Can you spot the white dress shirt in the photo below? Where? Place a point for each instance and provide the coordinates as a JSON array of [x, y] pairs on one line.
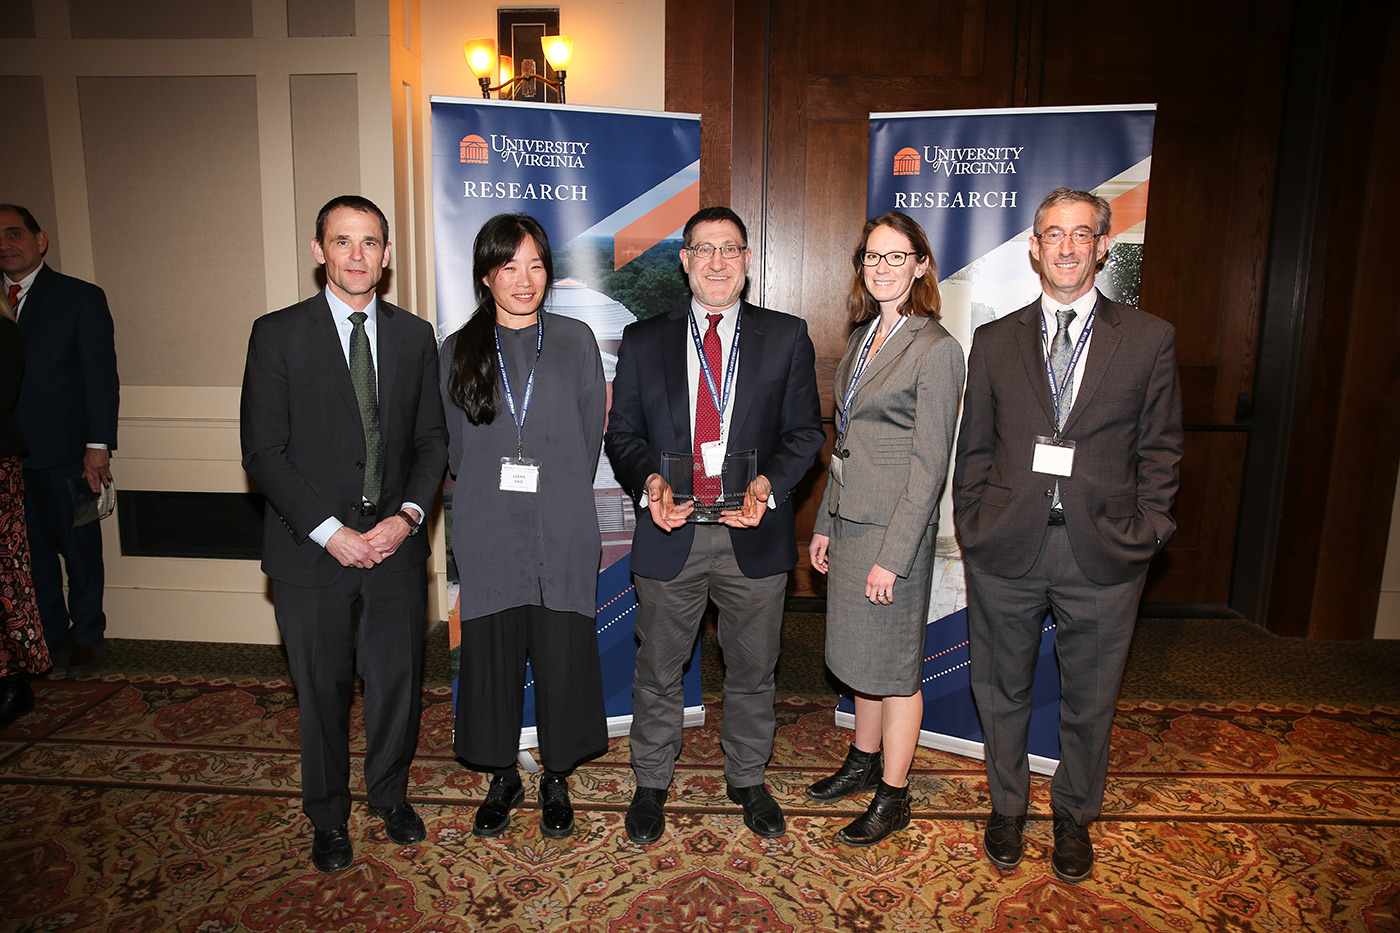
[[1082, 306]]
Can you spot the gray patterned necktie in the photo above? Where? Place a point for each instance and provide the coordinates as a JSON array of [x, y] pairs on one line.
[[367, 394], [1060, 353]]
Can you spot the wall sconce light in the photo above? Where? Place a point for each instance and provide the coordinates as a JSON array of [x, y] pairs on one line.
[[481, 57]]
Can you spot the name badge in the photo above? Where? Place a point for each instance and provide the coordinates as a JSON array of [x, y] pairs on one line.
[[712, 456], [1053, 455], [520, 475], [838, 465]]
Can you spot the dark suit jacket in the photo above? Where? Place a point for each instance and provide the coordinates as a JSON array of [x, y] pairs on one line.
[[304, 446], [1126, 423], [776, 411], [69, 395], [11, 373]]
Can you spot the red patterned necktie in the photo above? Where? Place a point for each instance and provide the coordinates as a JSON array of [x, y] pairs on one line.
[[707, 488], [14, 297]]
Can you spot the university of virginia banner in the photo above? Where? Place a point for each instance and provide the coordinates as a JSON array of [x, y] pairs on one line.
[[613, 189], [972, 179]]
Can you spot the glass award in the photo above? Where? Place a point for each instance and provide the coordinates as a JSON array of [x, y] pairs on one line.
[[737, 472]]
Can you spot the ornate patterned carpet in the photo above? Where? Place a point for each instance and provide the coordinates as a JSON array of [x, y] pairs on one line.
[[136, 803]]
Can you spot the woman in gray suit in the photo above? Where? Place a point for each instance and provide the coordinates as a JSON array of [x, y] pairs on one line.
[[897, 391]]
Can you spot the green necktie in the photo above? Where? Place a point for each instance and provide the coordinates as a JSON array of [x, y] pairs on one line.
[[366, 393]]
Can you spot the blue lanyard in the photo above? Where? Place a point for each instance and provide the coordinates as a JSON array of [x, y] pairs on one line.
[[729, 367], [529, 385], [1057, 390], [859, 370]]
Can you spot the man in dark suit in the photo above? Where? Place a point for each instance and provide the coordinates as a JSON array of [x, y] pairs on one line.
[[748, 384], [343, 431], [1065, 477], [67, 411]]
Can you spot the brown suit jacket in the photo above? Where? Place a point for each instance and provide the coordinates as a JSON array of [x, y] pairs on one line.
[[1126, 424]]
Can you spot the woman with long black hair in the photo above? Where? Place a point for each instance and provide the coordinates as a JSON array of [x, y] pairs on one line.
[[525, 400]]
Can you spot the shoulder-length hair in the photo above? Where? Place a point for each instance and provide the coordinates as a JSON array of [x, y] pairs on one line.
[[923, 297], [473, 376]]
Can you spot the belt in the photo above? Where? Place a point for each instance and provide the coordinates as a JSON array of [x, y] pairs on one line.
[[1057, 518], [369, 508]]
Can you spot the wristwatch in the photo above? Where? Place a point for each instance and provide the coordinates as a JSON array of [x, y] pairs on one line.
[[413, 526]]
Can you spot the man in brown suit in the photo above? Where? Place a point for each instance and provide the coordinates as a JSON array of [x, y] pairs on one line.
[[1065, 476]]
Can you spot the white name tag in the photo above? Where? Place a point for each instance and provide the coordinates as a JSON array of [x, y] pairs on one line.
[[712, 456], [1053, 455], [520, 475], [838, 465]]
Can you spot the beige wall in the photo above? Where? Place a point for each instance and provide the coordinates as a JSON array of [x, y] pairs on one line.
[[176, 147], [177, 152]]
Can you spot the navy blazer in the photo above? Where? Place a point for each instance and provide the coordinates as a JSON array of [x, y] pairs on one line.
[[776, 411], [302, 439], [1125, 422], [69, 395]]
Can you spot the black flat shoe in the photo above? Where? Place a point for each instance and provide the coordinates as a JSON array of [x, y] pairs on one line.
[[330, 849], [888, 812], [1003, 840], [761, 812], [646, 820], [401, 823], [556, 812], [1073, 860], [493, 816], [860, 771]]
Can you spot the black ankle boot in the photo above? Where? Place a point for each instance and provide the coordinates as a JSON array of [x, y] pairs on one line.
[[887, 813], [16, 698], [860, 771]]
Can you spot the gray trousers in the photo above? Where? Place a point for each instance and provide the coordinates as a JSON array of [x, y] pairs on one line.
[[1093, 630], [668, 620]]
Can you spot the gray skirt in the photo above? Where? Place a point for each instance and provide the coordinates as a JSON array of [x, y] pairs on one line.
[[875, 650]]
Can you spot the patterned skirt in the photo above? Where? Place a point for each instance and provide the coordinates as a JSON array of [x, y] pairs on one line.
[[22, 646]]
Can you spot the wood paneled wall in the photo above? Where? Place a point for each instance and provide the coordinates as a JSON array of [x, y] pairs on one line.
[[784, 89]]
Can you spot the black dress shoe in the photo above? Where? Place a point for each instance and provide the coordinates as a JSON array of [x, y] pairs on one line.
[[401, 823], [493, 816], [16, 699], [860, 771], [1074, 853], [556, 812], [761, 812], [888, 812], [85, 659], [1003, 840], [330, 849], [646, 820]]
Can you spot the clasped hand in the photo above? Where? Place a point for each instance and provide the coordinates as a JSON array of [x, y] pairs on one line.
[[354, 549]]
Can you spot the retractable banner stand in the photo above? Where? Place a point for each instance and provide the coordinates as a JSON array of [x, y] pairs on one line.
[[612, 188], [973, 179]]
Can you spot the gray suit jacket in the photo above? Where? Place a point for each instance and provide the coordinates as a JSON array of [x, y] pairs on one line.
[[900, 436], [304, 446], [1126, 423]]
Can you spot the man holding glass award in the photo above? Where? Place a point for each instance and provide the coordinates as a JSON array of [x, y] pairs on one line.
[[715, 418]]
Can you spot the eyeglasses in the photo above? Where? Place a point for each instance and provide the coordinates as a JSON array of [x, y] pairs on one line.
[[896, 258], [705, 251], [1080, 237]]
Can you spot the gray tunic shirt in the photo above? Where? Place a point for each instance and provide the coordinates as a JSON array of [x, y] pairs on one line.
[[542, 548]]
